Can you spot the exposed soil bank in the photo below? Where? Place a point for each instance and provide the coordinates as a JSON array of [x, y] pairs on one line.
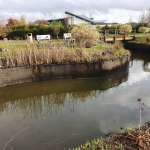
[[133, 139], [18, 75], [135, 46]]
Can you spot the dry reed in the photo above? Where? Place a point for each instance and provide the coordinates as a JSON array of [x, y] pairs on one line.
[[43, 54]]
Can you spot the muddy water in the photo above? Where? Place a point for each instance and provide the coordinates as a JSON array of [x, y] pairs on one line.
[[59, 114]]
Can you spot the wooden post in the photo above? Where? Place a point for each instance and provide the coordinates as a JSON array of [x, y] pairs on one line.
[[134, 37], [105, 32], [105, 38], [30, 38], [124, 37], [117, 31], [114, 39]]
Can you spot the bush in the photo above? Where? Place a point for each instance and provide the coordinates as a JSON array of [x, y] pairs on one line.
[[125, 28], [3, 32], [19, 32], [85, 36], [143, 29]]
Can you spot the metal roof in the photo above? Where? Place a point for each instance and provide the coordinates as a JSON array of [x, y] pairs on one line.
[[93, 22]]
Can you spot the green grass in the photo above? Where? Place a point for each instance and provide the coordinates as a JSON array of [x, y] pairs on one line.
[[143, 38], [22, 44], [12, 45], [142, 34], [16, 45]]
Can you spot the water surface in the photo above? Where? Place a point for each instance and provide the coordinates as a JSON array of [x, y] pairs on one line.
[[59, 114]]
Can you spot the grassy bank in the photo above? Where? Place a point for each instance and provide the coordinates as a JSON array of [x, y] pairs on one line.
[[21, 53], [143, 38], [131, 139]]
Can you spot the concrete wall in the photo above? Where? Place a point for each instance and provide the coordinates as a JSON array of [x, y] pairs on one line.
[[18, 75]]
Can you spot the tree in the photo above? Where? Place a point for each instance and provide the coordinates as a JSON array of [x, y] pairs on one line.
[[125, 28], [142, 18], [135, 26], [99, 28], [56, 27], [143, 29], [41, 22], [23, 21], [148, 16], [145, 17], [12, 23]]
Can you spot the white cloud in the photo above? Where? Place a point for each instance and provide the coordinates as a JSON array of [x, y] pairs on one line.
[[112, 10]]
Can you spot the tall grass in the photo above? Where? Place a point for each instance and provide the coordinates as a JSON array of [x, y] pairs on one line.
[[56, 53]]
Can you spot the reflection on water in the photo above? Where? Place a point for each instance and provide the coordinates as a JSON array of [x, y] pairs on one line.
[[38, 106], [52, 95], [146, 60], [63, 113]]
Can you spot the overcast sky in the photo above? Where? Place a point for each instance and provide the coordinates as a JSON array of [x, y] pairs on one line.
[[109, 10]]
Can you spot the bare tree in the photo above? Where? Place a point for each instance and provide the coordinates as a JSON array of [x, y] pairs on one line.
[[148, 16], [23, 21], [145, 17]]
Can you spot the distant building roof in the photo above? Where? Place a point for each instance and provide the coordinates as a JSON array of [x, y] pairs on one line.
[[93, 22], [57, 19]]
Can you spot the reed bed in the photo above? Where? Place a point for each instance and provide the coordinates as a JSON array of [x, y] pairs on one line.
[[56, 53]]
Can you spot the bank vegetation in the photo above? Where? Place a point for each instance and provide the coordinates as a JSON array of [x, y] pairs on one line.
[[58, 53], [85, 49], [130, 139]]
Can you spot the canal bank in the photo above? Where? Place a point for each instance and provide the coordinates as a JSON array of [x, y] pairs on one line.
[[137, 46], [33, 89], [19, 75], [63, 114], [130, 139]]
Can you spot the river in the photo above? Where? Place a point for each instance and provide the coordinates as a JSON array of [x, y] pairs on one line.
[[61, 114]]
